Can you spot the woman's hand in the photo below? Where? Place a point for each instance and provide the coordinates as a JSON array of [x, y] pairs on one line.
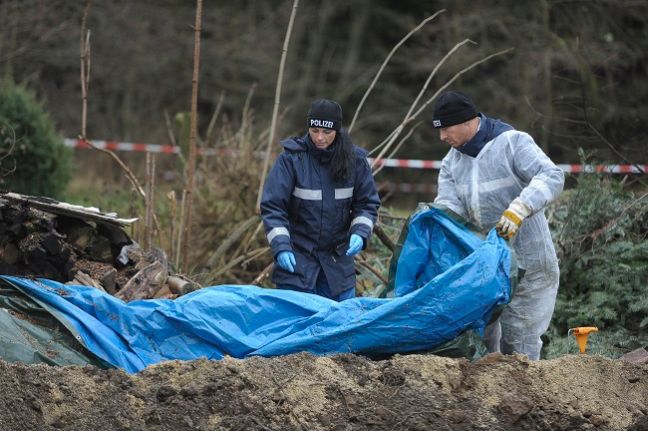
[[286, 260], [355, 245]]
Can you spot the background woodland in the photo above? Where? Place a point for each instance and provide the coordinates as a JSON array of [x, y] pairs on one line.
[[576, 77]]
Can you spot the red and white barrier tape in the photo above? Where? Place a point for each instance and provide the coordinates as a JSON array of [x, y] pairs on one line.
[[388, 186], [610, 169], [389, 163], [408, 163]]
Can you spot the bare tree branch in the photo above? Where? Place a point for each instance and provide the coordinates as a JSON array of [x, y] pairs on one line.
[[275, 109], [409, 116], [389, 56], [457, 75], [398, 146], [394, 134]]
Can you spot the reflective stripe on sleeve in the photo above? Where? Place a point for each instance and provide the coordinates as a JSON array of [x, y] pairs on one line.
[[308, 194], [362, 220], [344, 193], [275, 232]]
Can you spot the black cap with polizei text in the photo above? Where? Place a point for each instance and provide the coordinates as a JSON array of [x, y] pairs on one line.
[[325, 114]]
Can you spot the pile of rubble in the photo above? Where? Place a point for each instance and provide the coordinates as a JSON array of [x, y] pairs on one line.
[[41, 237]]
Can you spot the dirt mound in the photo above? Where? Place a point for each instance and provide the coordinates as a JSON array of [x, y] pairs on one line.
[[345, 392]]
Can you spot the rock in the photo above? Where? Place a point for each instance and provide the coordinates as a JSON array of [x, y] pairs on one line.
[[641, 424], [514, 406], [9, 254], [597, 420], [457, 416], [165, 392], [638, 356]]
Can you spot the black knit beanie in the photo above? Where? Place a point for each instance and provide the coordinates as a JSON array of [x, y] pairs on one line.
[[453, 107], [325, 114]]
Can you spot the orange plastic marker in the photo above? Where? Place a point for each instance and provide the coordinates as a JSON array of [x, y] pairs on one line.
[[581, 334]]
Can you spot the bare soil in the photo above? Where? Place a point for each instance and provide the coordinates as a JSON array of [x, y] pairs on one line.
[[345, 392]]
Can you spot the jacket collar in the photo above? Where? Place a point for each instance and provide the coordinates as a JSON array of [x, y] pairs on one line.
[[322, 155], [489, 129]]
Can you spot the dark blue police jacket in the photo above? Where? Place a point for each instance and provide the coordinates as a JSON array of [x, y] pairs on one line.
[[306, 212]]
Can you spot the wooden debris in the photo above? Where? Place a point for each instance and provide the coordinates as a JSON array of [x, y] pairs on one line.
[[263, 275], [165, 293], [180, 285], [145, 283], [83, 279], [52, 206], [382, 235], [102, 273], [68, 247]]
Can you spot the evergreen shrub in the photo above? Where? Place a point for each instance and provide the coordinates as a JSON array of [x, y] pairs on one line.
[[33, 157], [601, 234]]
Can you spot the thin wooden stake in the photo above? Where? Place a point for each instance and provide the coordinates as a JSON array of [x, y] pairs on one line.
[[149, 201], [191, 162], [275, 109], [173, 204], [85, 68], [178, 246]]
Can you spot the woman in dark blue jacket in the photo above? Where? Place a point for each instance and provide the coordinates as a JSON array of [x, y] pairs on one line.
[[319, 206]]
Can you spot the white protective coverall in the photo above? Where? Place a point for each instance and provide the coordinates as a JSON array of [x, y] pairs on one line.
[[480, 188]]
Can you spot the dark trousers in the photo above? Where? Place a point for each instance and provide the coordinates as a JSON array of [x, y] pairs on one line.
[[322, 288]]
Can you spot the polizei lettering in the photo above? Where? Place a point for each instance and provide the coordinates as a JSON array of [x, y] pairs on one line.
[[321, 123]]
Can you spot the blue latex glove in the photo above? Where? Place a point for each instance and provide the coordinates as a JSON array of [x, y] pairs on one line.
[[355, 245], [286, 260]]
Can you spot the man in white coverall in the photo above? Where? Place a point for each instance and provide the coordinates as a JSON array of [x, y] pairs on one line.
[[497, 176]]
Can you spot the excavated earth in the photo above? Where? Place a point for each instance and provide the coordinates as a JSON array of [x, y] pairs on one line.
[[344, 392]]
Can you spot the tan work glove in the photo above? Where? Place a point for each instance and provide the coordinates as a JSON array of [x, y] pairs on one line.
[[511, 219]]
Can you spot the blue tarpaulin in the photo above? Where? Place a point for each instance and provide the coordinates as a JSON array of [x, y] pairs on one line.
[[449, 280]]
